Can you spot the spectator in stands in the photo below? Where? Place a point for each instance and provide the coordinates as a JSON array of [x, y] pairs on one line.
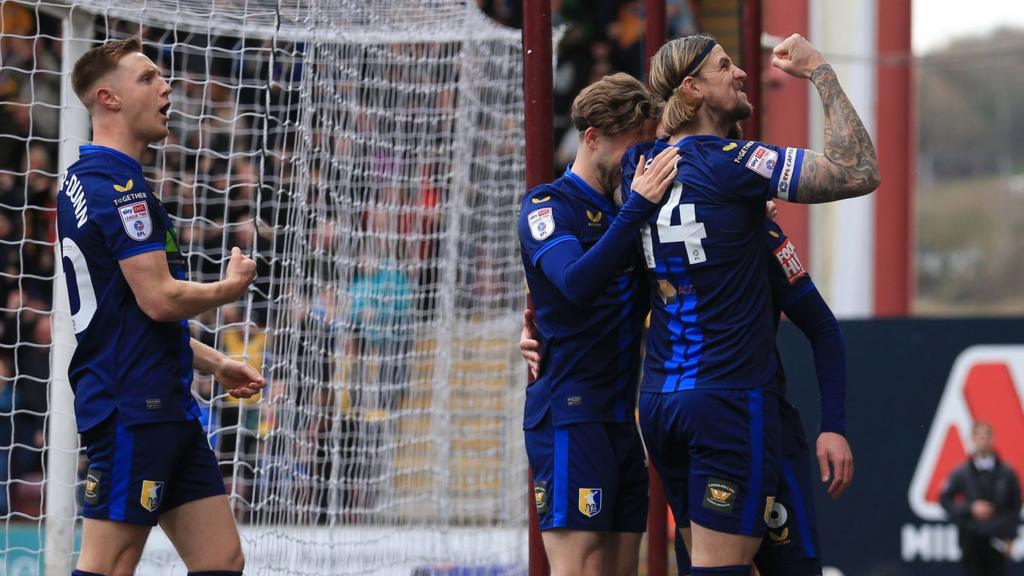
[[983, 498]]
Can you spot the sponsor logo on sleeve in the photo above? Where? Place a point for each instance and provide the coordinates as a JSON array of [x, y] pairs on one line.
[[728, 146], [136, 220], [540, 200], [743, 152], [790, 262], [720, 495], [590, 502], [542, 223], [762, 161]]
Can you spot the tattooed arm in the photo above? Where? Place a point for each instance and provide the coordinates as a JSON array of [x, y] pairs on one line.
[[849, 166]]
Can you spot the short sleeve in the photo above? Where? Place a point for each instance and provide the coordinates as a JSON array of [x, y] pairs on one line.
[[126, 213], [544, 222], [754, 170], [787, 276]]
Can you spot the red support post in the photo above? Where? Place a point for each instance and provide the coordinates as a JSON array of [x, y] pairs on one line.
[[750, 44], [537, 96], [657, 513], [894, 217]]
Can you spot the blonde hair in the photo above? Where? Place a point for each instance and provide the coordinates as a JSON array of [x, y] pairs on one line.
[[669, 67], [97, 63], [614, 105]]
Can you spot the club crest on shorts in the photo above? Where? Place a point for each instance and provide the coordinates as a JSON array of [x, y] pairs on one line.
[[542, 223], [590, 502], [540, 497], [136, 220], [152, 494], [92, 486], [720, 495]]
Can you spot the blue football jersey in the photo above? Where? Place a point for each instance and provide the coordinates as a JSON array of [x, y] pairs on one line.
[[590, 353], [711, 320], [125, 361]]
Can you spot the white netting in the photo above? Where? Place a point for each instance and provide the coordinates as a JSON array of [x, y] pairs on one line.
[[368, 154]]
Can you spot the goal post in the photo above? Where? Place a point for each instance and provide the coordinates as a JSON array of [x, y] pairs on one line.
[[369, 156]]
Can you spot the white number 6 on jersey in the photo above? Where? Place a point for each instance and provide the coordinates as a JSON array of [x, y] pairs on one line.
[[688, 231]]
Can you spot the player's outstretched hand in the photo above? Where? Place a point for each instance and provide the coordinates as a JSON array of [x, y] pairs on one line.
[[241, 270], [652, 181], [529, 346], [240, 380], [771, 209], [835, 461], [797, 57]]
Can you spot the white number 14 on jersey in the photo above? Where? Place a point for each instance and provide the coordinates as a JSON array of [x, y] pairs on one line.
[[688, 231]]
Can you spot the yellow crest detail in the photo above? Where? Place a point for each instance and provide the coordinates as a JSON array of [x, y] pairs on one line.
[[540, 200], [589, 501], [722, 495], [728, 146], [594, 217], [152, 493], [779, 537], [127, 187], [774, 234], [769, 504]]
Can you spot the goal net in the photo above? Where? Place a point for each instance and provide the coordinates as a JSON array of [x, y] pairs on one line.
[[368, 154]]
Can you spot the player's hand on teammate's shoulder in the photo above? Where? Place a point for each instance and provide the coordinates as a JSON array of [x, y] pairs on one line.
[[652, 181], [797, 56], [771, 209], [240, 380], [835, 460], [241, 270]]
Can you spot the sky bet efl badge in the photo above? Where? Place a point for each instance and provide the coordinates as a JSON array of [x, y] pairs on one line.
[[542, 223], [135, 218], [590, 501], [152, 493]]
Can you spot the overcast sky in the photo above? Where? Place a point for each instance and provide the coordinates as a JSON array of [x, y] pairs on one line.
[[936, 22]]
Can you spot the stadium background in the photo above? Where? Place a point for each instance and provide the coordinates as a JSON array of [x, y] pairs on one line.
[[890, 255]]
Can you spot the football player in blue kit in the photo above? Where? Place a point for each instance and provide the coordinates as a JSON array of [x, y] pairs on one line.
[[149, 459], [578, 251], [709, 401], [790, 547]]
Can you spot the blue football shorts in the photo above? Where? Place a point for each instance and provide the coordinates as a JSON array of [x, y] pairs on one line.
[[588, 476], [140, 471], [717, 452]]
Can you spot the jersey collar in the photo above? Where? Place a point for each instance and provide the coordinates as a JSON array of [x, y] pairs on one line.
[[95, 148], [589, 190]]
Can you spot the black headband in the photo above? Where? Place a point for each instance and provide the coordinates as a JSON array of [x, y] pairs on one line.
[[694, 64]]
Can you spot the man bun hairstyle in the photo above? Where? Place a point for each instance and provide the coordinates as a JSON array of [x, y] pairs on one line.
[[673, 62], [614, 105], [97, 63]]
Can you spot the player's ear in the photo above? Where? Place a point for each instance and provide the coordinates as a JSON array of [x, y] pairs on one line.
[[591, 137], [691, 89], [106, 98]]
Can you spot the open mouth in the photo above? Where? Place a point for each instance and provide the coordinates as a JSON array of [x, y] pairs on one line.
[[165, 109]]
